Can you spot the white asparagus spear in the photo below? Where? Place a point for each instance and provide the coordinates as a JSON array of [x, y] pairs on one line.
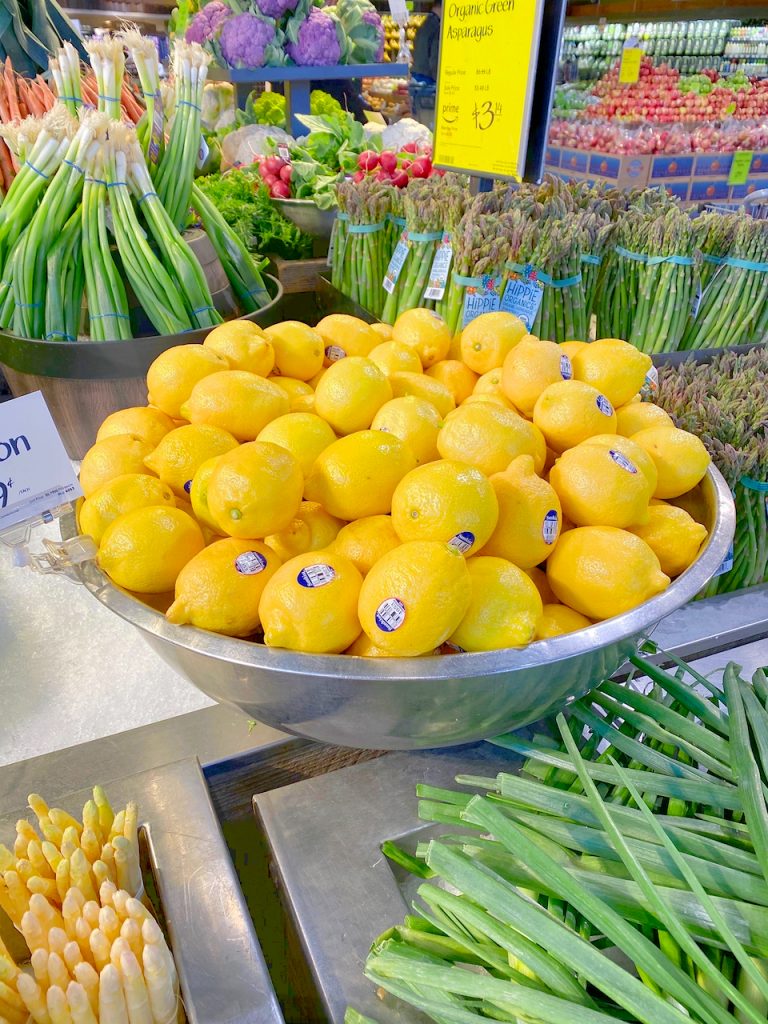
[[17, 895], [7, 858], [11, 997], [119, 899], [49, 916], [34, 1000], [100, 949], [90, 912], [80, 870], [162, 998], [79, 1006], [72, 956], [58, 1008], [51, 853], [136, 998], [101, 873], [90, 845], [38, 860], [106, 814], [152, 935], [70, 911], [39, 961], [45, 886], [119, 946], [57, 971], [92, 822], [57, 940], [83, 938], [86, 976], [136, 910], [131, 932], [64, 820], [106, 891], [34, 933], [112, 1008], [118, 825], [109, 923], [63, 877], [37, 805]]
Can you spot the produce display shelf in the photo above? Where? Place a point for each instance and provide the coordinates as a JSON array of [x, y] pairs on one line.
[[298, 80]]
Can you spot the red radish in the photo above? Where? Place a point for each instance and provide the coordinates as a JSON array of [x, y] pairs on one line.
[[405, 164], [280, 190], [264, 170], [400, 179], [286, 173], [382, 175], [358, 176], [422, 167], [270, 180], [388, 161], [410, 147], [368, 160], [274, 164]]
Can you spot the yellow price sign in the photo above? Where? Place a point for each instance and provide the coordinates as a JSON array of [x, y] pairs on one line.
[[629, 70], [488, 56]]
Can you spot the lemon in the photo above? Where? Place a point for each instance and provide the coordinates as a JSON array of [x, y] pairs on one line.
[[488, 339], [601, 571], [541, 583], [384, 330], [235, 400], [638, 416], [557, 619], [600, 487], [175, 372], [345, 335], [311, 529], [198, 494], [303, 434], [681, 459], [366, 540], [529, 515], [673, 536], [489, 436], [413, 420], [297, 390], [638, 456], [303, 403], [351, 393], [142, 421], [504, 610], [394, 357], [255, 490], [572, 347], [490, 384], [221, 587], [421, 386], [299, 350], [114, 456], [426, 332], [180, 453], [314, 381], [244, 345], [493, 399], [146, 549], [414, 597], [530, 368], [456, 376], [310, 604], [364, 648], [614, 367], [569, 412], [118, 496], [447, 501], [356, 476]]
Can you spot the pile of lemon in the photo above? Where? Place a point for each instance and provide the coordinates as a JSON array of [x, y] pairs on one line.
[[394, 491]]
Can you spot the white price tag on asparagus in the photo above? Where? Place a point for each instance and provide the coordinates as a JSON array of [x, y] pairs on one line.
[[35, 472]]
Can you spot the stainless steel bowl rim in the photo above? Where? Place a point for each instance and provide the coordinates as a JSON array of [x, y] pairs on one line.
[[394, 670]]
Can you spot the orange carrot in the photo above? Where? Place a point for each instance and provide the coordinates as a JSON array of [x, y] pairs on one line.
[[34, 103], [23, 89], [6, 167], [10, 90], [45, 93]]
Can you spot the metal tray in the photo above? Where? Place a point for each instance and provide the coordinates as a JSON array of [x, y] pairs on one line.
[[221, 968]]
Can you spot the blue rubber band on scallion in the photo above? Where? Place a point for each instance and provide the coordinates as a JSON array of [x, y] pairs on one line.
[[32, 167], [189, 103], [147, 195], [74, 166], [109, 316]]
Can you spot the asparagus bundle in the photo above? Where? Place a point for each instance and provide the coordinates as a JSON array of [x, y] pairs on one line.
[[479, 255], [599, 231], [423, 230], [733, 307], [713, 235], [361, 250]]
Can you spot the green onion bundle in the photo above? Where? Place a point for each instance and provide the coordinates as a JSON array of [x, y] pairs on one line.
[[66, 283], [639, 825], [65, 71], [150, 129], [108, 62], [733, 307]]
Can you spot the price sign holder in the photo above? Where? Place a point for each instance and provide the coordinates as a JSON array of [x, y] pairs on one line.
[[740, 166], [631, 59], [37, 485]]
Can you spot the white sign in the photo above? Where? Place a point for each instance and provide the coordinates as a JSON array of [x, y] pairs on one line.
[[399, 11], [35, 472]]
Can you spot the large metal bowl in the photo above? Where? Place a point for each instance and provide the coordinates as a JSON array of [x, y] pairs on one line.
[[307, 216], [407, 703]]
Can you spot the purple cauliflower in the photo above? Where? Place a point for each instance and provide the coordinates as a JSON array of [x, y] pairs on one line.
[[248, 41], [275, 8], [373, 18], [319, 40], [205, 23]]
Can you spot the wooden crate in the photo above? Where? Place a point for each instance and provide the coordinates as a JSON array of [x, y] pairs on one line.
[[299, 275]]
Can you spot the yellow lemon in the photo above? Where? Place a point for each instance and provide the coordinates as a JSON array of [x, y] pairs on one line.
[[394, 357], [638, 456], [175, 372], [600, 487], [572, 347], [344, 335], [118, 496], [146, 549], [414, 597], [557, 619], [180, 453], [636, 416], [384, 330], [488, 339], [310, 604], [530, 368], [530, 515], [616, 368], [303, 434], [351, 393], [489, 436], [601, 571], [570, 412], [365, 541], [303, 403], [221, 587], [364, 648], [493, 399], [489, 384], [114, 456], [314, 381], [456, 376], [255, 490], [425, 331], [311, 529], [235, 400], [413, 420], [447, 501], [681, 459], [299, 350], [198, 494], [504, 610], [673, 536], [356, 476], [541, 583], [244, 345], [421, 386], [142, 421], [297, 390]]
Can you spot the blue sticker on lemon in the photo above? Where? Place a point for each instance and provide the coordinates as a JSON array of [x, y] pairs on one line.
[[390, 615], [249, 563], [462, 541], [549, 527], [621, 460], [316, 575], [604, 405], [566, 369]]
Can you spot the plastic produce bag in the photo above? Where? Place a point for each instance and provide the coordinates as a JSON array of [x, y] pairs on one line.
[[240, 148]]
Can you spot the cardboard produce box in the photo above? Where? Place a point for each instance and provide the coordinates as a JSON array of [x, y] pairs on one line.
[[623, 171]]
